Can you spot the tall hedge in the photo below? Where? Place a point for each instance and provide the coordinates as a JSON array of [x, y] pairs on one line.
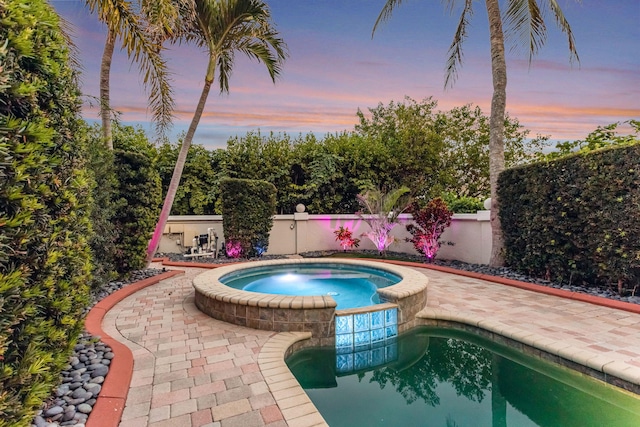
[[44, 199], [248, 207], [575, 219], [138, 196]]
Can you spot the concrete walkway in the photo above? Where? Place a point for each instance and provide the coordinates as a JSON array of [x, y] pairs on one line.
[[192, 370]]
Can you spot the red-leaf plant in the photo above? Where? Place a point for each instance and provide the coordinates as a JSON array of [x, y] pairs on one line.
[[430, 223], [345, 237]]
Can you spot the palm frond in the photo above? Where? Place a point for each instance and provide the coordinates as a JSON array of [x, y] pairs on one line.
[[524, 22], [385, 13], [455, 50], [566, 28]]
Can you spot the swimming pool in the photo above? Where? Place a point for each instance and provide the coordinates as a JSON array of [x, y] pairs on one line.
[[435, 376]]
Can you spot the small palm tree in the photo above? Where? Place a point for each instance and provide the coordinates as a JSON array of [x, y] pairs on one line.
[[382, 211], [524, 19], [223, 27]]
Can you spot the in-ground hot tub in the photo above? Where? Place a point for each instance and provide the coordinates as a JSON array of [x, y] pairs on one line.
[[317, 314]]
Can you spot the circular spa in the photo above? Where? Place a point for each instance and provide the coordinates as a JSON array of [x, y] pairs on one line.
[[351, 286], [314, 295]]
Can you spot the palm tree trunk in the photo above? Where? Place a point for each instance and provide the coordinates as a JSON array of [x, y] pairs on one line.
[[105, 69], [496, 126], [180, 162]]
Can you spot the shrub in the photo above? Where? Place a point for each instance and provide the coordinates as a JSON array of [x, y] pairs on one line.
[[430, 223], [248, 207], [100, 164], [137, 206], [463, 204], [44, 208], [345, 237], [575, 219]]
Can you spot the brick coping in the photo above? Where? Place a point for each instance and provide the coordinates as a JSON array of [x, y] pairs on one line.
[[110, 402]]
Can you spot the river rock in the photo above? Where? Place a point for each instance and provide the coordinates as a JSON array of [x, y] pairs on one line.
[[53, 411]]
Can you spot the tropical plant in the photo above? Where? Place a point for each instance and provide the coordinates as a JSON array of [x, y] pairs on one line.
[[429, 224], [346, 239], [223, 28], [142, 27], [382, 211], [524, 19]]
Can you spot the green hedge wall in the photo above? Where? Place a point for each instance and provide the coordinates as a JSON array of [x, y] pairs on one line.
[[575, 219], [137, 207], [248, 207], [44, 209]]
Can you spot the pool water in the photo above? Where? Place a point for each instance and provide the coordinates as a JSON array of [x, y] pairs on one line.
[[349, 285], [439, 377]]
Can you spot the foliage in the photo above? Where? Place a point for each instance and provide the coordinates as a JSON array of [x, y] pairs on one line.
[[262, 158], [576, 219], [430, 223], [403, 143], [406, 129], [466, 157], [346, 239], [44, 208], [137, 196], [100, 165], [382, 211], [462, 204], [199, 186], [601, 137], [247, 214]]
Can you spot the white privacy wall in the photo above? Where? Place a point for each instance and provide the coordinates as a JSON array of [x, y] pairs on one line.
[[302, 232]]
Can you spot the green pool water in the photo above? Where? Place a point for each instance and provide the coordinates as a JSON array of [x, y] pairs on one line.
[[438, 377]]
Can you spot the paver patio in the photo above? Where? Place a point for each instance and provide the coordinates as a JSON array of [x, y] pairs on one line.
[[192, 370]]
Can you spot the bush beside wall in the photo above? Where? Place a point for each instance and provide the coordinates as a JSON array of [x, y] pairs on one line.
[[44, 209], [137, 207], [575, 219], [248, 207]]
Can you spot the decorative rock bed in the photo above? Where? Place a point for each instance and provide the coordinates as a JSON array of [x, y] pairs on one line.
[[82, 378]]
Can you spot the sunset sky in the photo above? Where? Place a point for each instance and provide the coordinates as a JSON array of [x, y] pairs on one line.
[[335, 67]]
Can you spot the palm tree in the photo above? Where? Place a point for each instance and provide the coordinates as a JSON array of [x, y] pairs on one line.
[[526, 20], [223, 27], [142, 34]]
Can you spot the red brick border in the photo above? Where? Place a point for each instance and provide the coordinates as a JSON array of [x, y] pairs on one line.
[[110, 402]]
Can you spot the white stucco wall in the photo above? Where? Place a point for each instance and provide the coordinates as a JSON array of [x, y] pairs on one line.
[[301, 232]]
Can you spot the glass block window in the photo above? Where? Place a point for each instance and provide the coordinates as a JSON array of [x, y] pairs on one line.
[[366, 340], [344, 324], [361, 322]]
